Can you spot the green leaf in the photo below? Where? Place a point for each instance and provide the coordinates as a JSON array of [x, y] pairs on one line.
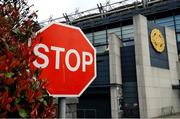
[[45, 102], [12, 48], [23, 113], [41, 100], [17, 101], [45, 95], [16, 31], [8, 74], [35, 85]]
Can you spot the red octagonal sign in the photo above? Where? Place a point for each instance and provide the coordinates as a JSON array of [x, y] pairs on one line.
[[67, 59]]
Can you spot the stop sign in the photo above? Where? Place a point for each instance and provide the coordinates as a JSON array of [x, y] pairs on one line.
[[67, 59]]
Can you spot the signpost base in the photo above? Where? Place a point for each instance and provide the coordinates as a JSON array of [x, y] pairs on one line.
[[62, 107]]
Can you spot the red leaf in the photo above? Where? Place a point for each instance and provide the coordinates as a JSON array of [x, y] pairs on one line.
[[30, 95], [9, 81], [2, 58], [14, 63], [10, 55], [4, 115], [38, 94], [15, 108], [34, 112], [5, 101]]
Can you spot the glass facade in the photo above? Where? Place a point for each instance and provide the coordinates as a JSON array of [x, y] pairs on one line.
[[177, 23], [126, 33], [90, 37], [168, 22], [99, 38], [172, 22], [129, 82]]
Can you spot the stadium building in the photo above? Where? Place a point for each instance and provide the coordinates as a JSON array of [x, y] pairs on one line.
[[138, 46]]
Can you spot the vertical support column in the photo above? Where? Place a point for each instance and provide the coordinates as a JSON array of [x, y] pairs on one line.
[[115, 74], [142, 59], [62, 107], [70, 107]]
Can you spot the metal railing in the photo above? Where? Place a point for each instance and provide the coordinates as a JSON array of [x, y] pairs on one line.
[[166, 111], [100, 11], [86, 113]]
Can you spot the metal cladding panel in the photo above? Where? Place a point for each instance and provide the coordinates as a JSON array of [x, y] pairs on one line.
[[157, 59], [94, 105], [102, 70], [130, 102], [95, 101]]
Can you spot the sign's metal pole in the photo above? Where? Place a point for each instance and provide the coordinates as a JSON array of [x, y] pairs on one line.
[[62, 108], [62, 102]]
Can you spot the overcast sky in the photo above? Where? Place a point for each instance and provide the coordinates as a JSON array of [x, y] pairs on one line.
[[56, 8]]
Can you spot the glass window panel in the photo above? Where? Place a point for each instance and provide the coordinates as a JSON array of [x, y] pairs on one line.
[[178, 37], [100, 32], [164, 20], [177, 17], [119, 35], [127, 32], [178, 22], [90, 37], [101, 49], [91, 40], [100, 41], [127, 27], [172, 27], [130, 35], [127, 39], [116, 31], [167, 24], [178, 28], [89, 34], [128, 43], [151, 21], [100, 37]]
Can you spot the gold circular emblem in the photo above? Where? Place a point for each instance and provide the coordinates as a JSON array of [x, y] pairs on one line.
[[157, 40]]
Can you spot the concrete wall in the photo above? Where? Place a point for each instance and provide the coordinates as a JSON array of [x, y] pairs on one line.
[[155, 84], [71, 107], [115, 74]]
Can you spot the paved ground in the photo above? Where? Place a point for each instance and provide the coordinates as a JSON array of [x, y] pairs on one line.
[[174, 116]]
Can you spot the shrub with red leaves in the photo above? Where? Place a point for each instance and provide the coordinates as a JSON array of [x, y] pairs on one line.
[[22, 93]]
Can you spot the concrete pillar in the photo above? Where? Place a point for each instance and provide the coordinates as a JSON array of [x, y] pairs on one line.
[[115, 74], [71, 107], [142, 59]]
